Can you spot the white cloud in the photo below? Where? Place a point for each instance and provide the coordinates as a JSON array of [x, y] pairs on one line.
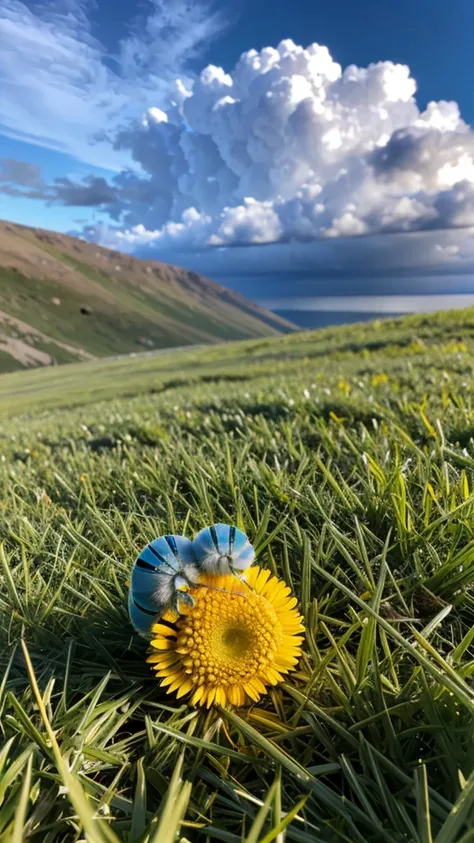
[[285, 147], [61, 90], [288, 146]]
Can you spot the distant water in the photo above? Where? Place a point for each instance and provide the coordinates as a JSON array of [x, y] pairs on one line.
[[324, 318], [321, 311]]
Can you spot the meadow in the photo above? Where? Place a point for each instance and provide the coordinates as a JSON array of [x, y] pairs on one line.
[[348, 457]]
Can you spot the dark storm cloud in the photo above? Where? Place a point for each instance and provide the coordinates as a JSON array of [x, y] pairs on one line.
[[92, 192], [20, 173], [20, 178]]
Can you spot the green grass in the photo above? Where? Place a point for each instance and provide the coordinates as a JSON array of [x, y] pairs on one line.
[[356, 452]]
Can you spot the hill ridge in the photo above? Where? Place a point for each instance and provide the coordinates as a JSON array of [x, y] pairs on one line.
[[76, 300]]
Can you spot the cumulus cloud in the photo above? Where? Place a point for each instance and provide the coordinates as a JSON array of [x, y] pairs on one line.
[[285, 147], [288, 146], [61, 88]]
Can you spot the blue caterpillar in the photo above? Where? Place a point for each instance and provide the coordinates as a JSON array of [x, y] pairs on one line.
[[170, 565]]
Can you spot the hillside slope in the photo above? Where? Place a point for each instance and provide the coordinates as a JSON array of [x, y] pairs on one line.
[[62, 299]]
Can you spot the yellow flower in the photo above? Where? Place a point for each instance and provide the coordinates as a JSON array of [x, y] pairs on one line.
[[455, 347], [378, 379], [232, 643], [344, 386]]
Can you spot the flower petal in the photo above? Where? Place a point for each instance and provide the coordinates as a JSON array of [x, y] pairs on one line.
[[197, 696], [162, 629], [252, 691], [184, 689], [220, 696]]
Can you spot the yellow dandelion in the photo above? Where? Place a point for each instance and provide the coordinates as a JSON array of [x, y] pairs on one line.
[[232, 643]]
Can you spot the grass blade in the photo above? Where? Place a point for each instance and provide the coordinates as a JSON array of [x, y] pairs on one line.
[[459, 815], [254, 834], [423, 804], [20, 813], [96, 830]]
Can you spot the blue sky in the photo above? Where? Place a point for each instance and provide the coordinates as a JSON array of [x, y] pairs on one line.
[[90, 100], [53, 164], [433, 37]]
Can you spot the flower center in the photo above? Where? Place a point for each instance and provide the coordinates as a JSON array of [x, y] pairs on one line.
[[236, 640], [229, 636]]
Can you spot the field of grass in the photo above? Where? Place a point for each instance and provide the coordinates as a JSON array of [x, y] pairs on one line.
[[348, 457]]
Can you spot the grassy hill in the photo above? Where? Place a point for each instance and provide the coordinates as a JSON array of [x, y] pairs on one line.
[[63, 300], [349, 460]]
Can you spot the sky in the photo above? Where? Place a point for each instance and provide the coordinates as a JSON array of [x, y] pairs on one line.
[[322, 148]]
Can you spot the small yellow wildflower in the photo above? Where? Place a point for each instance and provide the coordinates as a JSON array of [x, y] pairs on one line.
[[377, 380], [455, 347], [344, 386]]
